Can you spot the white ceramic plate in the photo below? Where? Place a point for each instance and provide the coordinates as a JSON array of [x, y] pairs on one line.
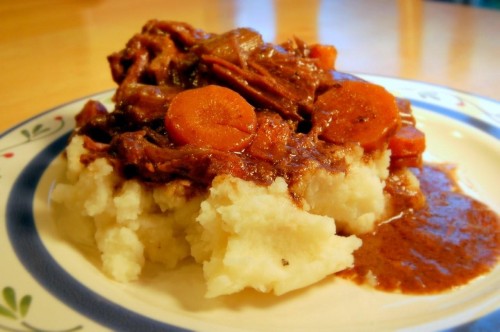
[[48, 284]]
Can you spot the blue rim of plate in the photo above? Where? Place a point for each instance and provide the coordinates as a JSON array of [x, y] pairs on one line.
[[36, 259], [471, 121]]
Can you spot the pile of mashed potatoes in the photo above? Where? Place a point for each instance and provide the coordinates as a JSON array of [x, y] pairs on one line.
[[245, 235]]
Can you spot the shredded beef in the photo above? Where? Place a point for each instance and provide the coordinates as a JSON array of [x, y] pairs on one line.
[[282, 82]]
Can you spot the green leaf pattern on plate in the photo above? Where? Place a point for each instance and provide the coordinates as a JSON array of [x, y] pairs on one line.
[[34, 133], [9, 296], [24, 305], [14, 310]]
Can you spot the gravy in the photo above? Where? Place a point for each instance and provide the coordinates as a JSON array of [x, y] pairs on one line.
[[447, 243]]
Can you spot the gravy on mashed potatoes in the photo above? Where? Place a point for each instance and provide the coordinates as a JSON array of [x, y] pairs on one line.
[[259, 161]]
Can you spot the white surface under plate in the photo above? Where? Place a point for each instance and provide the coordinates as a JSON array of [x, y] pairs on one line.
[[48, 284]]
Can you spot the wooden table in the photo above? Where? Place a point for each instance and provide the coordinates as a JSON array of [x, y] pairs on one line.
[[55, 51]]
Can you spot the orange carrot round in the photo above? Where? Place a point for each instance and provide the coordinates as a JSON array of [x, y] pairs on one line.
[[213, 117], [408, 141], [356, 111], [326, 55]]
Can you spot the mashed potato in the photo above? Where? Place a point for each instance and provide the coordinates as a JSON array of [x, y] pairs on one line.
[[257, 237], [355, 199], [245, 235]]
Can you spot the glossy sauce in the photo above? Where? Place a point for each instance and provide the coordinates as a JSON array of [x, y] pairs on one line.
[[447, 243]]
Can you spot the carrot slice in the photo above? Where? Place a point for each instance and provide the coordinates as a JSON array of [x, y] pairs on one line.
[[213, 117], [356, 111], [408, 141], [326, 55]]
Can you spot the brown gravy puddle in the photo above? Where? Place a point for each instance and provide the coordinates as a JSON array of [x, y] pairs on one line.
[[449, 242]]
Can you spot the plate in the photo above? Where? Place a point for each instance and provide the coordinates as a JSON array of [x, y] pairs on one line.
[[48, 284]]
